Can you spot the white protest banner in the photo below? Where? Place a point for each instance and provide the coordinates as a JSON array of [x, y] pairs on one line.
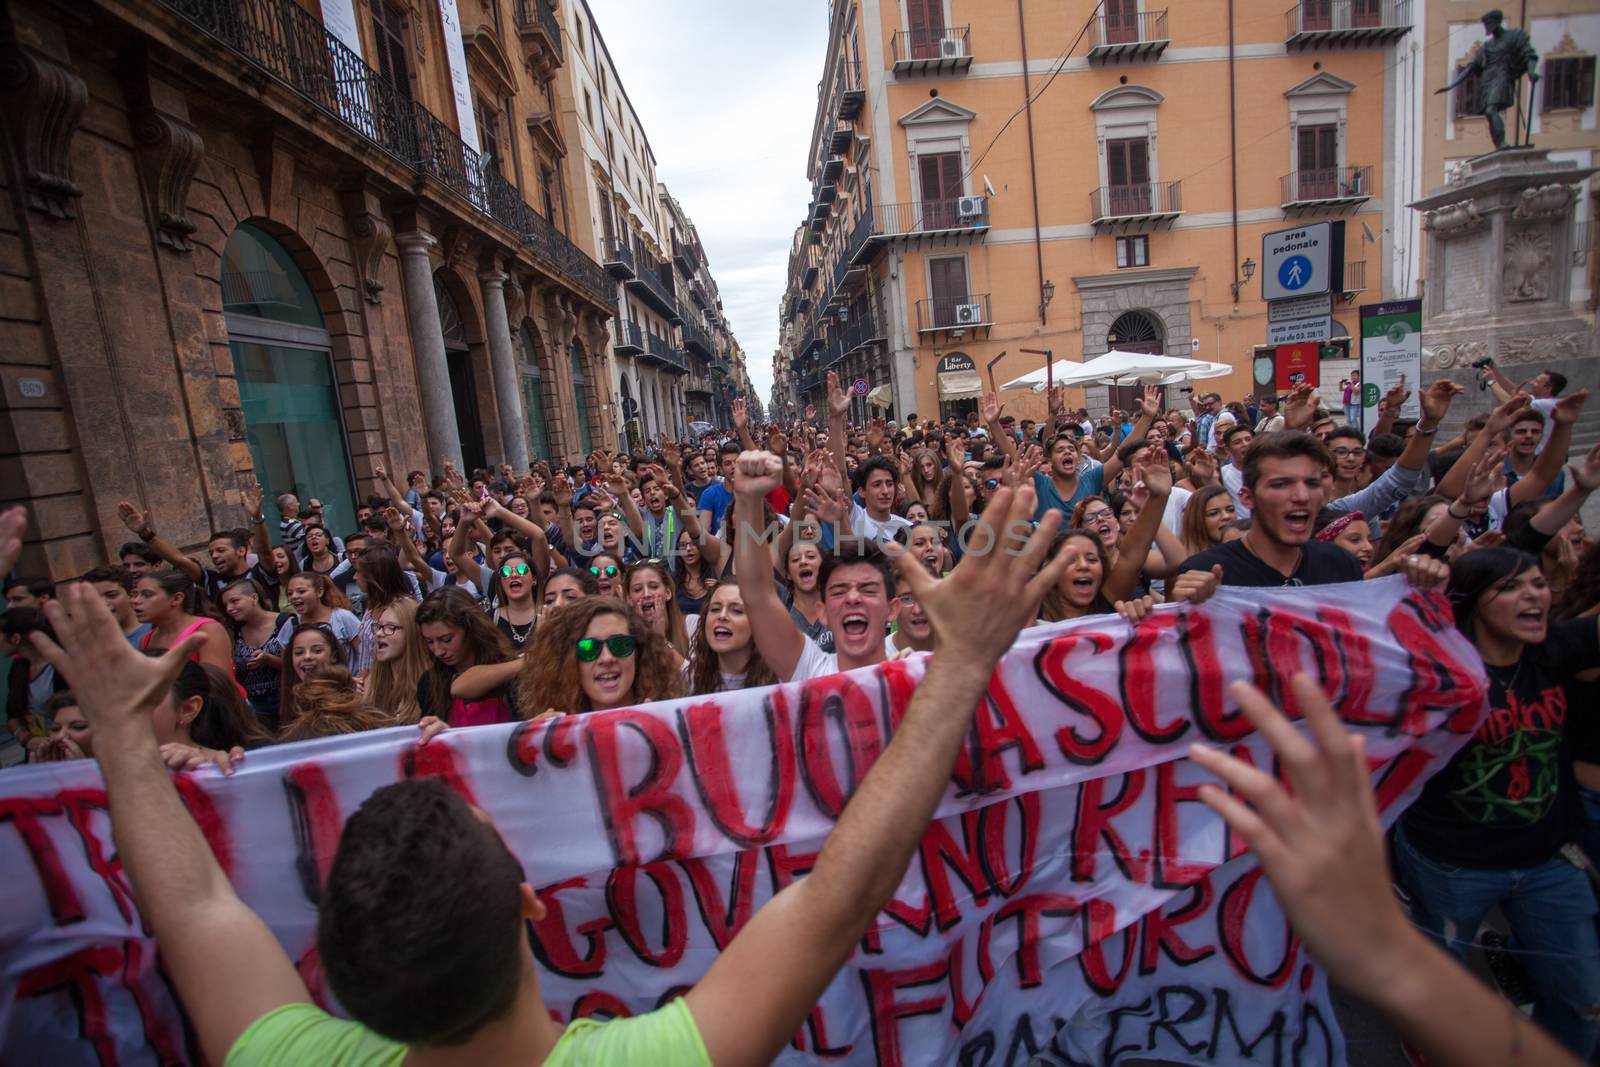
[[1073, 899]]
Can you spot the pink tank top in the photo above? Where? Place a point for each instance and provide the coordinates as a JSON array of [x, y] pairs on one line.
[[192, 628]]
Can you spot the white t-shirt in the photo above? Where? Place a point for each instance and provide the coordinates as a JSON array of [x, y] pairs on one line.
[[1544, 405], [865, 526], [1233, 481], [813, 663], [344, 625], [1172, 518]]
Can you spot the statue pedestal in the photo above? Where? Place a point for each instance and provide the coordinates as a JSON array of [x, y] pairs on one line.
[[1499, 278]]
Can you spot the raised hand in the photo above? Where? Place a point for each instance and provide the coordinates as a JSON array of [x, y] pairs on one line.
[[1569, 407], [838, 399], [1150, 402], [1155, 474], [828, 507], [1587, 474], [1437, 397], [741, 415], [875, 434], [134, 519], [989, 407], [561, 489], [1500, 418], [1056, 399], [1300, 407], [13, 524], [1396, 560], [250, 497], [756, 474], [379, 472], [1480, 484], [118, 688], [1398, 394], [994, 592]]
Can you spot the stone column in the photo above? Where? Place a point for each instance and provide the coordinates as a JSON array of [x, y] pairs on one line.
[[427, 346], [507, 378]]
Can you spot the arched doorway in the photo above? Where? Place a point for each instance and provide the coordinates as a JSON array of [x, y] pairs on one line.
[[580, 399], [283, 362], [1135, 331], [463, 386], [533, 393]]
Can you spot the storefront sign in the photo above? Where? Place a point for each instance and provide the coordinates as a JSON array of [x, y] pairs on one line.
[[1297, 364], [1391, 345]]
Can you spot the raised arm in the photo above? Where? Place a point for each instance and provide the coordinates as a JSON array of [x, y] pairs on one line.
[[251, 497], [619, 488], [1149, 411], [392, 491], [957, 485], [139, 522], [1134, 553], [538, 543], [838, 430], [990, 407], [1499, 420], [779, 642], [1582, 479], [747, 1008], [741, 425], [227, 967], [1553, 456]]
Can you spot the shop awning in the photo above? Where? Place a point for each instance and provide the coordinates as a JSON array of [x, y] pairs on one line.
[[959, 385], [879, 397]]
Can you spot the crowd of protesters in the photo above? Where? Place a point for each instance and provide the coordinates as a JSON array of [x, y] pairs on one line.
[[784, 552]]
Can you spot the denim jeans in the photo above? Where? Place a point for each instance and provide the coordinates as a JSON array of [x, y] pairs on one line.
[[1352, 414], [1552, 912]]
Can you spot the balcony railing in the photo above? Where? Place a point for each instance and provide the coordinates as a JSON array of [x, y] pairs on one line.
[[662, 352], [683, 254], [859, 235], [1145, 202], [619, 261], [696, 339], [1327, 187], [1313, 23], [1128, 35], [932, 51], [284, 41], [850, 95], [630, 339], [861, 330], [1355, 276], [656, 291], [967, 214], [538, 15], [953, 312]]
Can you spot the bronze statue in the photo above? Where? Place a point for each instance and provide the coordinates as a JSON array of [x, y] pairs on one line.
[[1500, 64]]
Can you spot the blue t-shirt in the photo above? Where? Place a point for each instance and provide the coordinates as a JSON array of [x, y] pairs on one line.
[[716, 499], [1091, 481]]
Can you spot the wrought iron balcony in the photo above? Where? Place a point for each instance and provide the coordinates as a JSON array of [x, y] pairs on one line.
[[1327, 187], [619, 261], [651, 283], [839, 140], [932, 51], [630, 339], [1332, 23], [831, 169], [537, 18], [1128, 35], [860, 331], [288, 44], [684, 256], [851, 95], [860, 234], [664, 354], [953, 312], [966, 216], [1147, 203], [696, 339]]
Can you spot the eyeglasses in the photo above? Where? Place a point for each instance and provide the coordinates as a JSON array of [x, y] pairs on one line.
[[1351, 451], [385, 629], [508, 570], [621, 646], [1096, 516], [608, 570]]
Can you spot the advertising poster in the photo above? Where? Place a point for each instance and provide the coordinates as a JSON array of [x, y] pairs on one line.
[[1298, 364], [1391, 345]]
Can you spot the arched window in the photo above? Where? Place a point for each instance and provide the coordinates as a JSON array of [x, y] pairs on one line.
[[463, 387], [580, 398], [1134, 331], [283, 363], [533, 395]]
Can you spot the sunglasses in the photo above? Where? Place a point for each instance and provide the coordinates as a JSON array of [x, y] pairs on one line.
[[509, 570], [621, 646], [608, 570]]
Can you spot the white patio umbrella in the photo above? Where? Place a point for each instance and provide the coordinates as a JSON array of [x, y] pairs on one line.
[[1210, 370], [1113, 368]]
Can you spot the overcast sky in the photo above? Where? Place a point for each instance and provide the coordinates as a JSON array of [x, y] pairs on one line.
[[727, 91]]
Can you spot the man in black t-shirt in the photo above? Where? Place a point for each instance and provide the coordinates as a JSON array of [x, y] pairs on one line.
[[1283, 487]]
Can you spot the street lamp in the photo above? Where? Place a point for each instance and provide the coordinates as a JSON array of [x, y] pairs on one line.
[[1249, 269], [1047, 293]]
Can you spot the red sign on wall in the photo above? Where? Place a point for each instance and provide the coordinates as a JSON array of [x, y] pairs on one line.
[[1298, 364]]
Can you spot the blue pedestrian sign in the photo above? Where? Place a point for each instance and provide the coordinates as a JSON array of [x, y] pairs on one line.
[[1305, 261], [1294, 273]]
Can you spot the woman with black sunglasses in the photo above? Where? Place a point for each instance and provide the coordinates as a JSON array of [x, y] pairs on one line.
[[513, 590], [595, 654]]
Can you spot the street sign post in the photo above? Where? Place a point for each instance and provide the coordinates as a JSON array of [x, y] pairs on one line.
[[1391, 345], [861, 387], [1301, 262], [1295, 331], [1300, 307]]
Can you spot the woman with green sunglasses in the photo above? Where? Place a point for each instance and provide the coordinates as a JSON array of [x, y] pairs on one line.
[[607, 571], [512, 592], [595, 654]]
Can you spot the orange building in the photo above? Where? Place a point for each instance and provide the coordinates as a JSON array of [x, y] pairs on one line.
[[1108, 190]]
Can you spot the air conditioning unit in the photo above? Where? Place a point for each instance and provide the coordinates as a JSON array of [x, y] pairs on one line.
[[951, 48], [969, 314], [969, 207]]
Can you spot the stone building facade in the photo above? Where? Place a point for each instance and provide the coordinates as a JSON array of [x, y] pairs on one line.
[[246, 238]]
